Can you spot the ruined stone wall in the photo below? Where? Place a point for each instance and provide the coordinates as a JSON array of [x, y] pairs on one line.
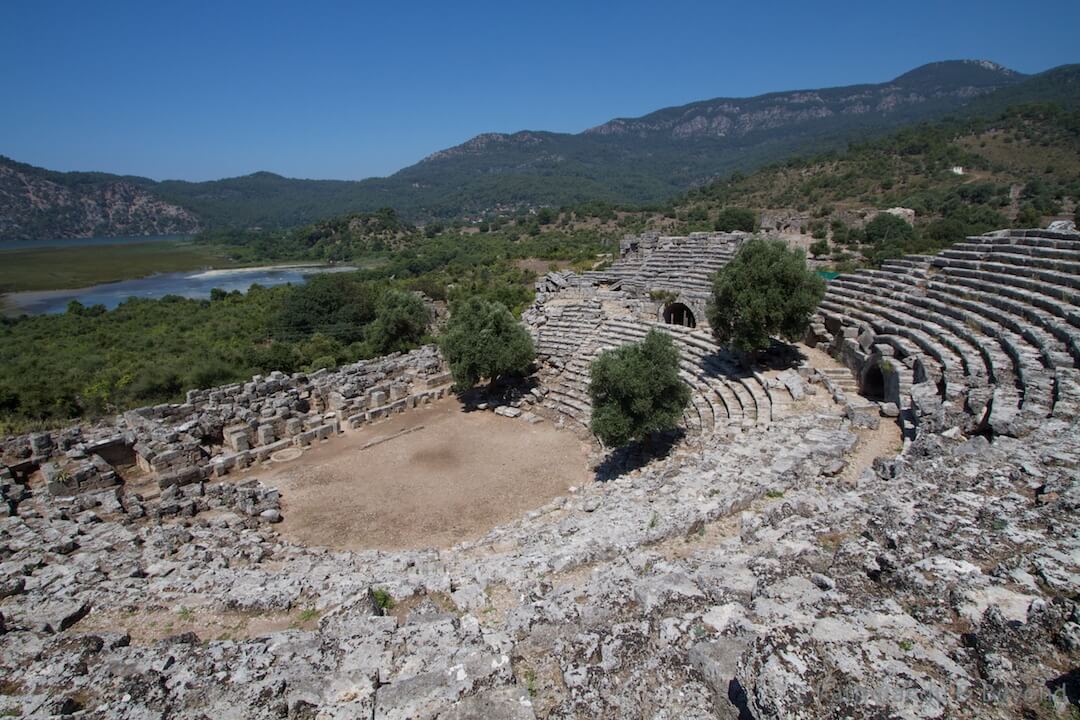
[[218, 430]]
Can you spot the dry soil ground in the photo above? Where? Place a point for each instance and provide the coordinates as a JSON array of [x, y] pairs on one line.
[[453, 477]]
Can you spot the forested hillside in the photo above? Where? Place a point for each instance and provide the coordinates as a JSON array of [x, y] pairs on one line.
[[627, 160], [1020, 169], [959, 177]]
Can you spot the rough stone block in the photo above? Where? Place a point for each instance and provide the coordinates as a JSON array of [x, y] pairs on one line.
[[265, 434]]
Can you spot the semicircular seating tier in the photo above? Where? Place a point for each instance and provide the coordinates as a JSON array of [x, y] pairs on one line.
[[682, 265], [572, 328], [992, 325]]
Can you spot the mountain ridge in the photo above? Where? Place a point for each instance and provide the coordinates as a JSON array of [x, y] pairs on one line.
[[644, 159]]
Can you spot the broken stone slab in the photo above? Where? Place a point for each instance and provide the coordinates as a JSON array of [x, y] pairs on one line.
[[11, 586], [862, 415], [716, 662], [925, 399], [721, 617], [889, 410], [182, 476], [444, 378], [59, 615], [833, 467], [887, 468], [429, 694], [652, 593], [794, 383], [271, 516]]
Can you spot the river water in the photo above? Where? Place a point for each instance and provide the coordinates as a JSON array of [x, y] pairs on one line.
[[197, 285]]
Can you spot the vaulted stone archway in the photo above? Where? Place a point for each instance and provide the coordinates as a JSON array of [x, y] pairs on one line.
[[678, 313]]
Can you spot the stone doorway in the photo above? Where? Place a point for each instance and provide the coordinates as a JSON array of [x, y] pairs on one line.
[[679, 314], [873, 383]]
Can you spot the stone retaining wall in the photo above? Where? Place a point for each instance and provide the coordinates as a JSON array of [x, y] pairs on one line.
[[220, 430]]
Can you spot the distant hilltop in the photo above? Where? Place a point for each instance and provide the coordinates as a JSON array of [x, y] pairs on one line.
[[625, 160], [40, 205]]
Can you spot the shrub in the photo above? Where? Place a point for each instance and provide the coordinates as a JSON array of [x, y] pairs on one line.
[[274, 356], [383, 600], [819, 248], [636, 390], [482, 340], [321, 351], [401, 321], [887, 228], [731, 219], [1028, 217], [890, 236], [155, 384], [209, 373], [765, 290], [336, 304]]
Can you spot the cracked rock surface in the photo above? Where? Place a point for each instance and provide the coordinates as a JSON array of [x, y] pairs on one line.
[[735, 578]]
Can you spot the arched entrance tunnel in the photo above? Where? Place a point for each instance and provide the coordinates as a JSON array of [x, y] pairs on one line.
[[873, 383], [679, 314]]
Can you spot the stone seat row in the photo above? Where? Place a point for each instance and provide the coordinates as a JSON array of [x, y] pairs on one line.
[[1040, 237], [1027, 346], [1049, 314], [1004, 359], [689, 264], [1013, 323], [1065, 256], [999, 309], [1002, 265], [1026, 310], [721, 395]]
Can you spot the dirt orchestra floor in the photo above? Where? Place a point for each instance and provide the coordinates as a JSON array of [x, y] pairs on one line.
[[439, 476]]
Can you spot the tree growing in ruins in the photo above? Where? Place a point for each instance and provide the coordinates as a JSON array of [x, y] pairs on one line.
[[766, 290], [636, 390], [483, 340]]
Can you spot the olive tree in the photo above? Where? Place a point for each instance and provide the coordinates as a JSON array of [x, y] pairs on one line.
[[483, 340], [636, 390], [766, 290], [731, 219]]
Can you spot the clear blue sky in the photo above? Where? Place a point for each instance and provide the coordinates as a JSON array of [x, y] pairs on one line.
[[201, 90]]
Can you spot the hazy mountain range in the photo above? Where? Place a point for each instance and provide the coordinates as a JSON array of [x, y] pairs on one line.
[[633, 160]]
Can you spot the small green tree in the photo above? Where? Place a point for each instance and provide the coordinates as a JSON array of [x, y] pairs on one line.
[[887, 228], [401, 321], [765, 290], [636, 390], [731, 219], [483, 340], [819, 248], [1028, 217]]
